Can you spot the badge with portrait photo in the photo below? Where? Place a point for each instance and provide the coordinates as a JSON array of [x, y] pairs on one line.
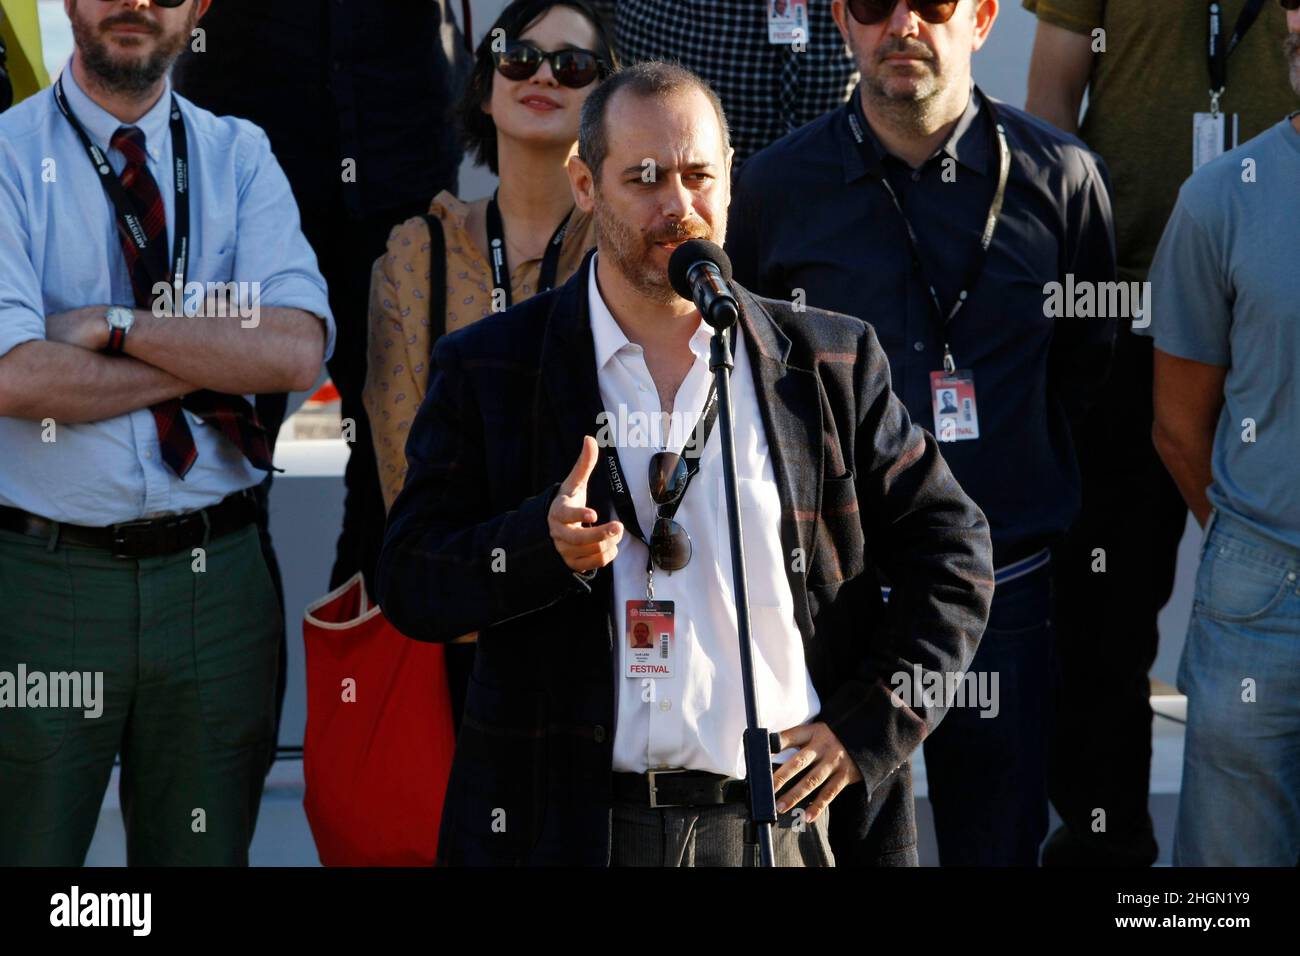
[[1213, 134], [787, 21], [648, 639], [953, 398]]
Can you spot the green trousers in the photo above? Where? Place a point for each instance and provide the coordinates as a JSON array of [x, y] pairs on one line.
[[185, 648]]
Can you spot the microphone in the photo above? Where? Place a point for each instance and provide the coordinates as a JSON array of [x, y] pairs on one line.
[[699, 271]]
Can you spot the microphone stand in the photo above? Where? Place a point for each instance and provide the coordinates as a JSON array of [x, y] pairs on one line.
[[758, 757]]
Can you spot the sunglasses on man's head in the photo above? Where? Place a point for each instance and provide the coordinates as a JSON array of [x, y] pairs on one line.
[[573, 68], [1290, 4], [670, 545], [868, 12]]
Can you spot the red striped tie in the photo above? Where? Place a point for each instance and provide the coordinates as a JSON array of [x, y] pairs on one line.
[[232, 415]]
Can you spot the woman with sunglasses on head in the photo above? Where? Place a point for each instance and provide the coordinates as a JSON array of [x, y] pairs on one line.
[[532, 73]]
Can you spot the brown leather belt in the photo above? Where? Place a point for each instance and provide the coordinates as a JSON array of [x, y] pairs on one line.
[[148, 538]]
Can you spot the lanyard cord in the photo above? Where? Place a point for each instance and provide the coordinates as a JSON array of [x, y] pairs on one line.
[[986, 237], [124, 207], [1219, 52], [501, 263]]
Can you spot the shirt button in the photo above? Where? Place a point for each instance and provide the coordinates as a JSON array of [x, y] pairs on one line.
[[916, 175], [665, 704], [918, 346], [148, 456], [598, 733]]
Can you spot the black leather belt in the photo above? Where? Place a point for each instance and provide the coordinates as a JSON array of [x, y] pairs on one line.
[[149, 538], [679, 788]]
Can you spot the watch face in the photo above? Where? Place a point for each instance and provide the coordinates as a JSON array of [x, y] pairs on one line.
[[120, 318]]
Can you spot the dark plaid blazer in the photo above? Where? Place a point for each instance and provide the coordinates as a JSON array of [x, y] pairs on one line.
[[864, 492]]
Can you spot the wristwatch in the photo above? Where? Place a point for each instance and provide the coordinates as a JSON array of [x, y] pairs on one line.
[[120, 321]]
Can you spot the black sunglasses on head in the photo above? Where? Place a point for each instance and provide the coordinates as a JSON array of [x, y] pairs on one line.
[[1290, 4], [868, 12], [573, 68]]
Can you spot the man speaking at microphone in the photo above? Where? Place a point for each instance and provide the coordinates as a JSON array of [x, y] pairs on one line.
[[579, 744]]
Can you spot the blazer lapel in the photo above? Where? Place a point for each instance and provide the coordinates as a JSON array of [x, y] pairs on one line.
[[568, 392], [790, 403]]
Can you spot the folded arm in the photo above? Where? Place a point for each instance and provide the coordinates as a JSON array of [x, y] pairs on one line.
[[41, 379], [269, 350]]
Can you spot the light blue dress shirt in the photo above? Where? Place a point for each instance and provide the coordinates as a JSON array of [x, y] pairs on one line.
[[59, 250]]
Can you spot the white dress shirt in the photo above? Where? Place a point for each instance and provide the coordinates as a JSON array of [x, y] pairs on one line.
[[696, 716]]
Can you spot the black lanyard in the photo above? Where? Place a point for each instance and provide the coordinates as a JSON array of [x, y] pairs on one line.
[[623, 502], [1219, 51], [500, 262], [986, 238], [155, 258]]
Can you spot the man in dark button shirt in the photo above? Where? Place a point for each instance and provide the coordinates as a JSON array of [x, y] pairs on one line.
[[813, 219]]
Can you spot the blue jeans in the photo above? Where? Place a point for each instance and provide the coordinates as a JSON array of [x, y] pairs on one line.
[[1240, 670]]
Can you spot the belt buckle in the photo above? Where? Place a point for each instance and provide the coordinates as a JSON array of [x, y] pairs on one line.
[[122, 532], [654, 802]]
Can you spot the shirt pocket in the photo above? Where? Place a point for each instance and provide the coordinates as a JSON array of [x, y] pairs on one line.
[[215, 263], [760, 523]]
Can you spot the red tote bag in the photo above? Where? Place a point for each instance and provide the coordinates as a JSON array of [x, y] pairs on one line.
[[379, 740]]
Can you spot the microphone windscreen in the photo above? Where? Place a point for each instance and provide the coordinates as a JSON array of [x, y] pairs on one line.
[[690, 253]]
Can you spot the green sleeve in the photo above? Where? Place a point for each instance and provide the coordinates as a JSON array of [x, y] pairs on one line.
[[1077, 16]]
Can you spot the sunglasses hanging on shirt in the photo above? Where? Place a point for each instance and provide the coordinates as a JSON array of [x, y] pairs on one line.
[[869, 12], [571, 67], [670, 474]]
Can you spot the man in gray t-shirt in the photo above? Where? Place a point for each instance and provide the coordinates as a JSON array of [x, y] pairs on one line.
[[1225, 317], [1225, 307]]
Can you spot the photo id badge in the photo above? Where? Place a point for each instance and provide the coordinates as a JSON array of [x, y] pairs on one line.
[[787, 21], [1213, 134], [953, 397], [648, 639]]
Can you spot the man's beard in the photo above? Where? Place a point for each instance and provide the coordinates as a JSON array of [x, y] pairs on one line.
[[130, 76], [630, 251], [1292, 49], [910, 108]]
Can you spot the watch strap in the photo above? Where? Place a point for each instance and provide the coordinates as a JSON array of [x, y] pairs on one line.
[[116, 340]]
